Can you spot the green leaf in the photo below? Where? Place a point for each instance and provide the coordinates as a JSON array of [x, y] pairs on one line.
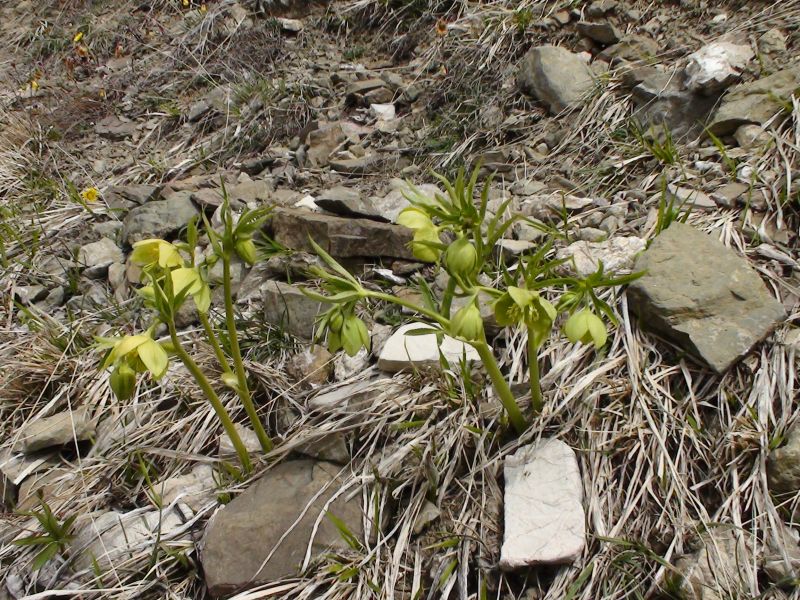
[[331, 262], [349, 538], [43, 556], [33, 540]]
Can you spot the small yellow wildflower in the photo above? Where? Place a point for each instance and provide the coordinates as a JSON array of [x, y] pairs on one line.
[[34, 85], [90, 194], [185, 3], [203, 8], [78, 37]]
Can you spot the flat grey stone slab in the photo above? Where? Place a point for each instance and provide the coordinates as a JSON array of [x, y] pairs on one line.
[[544, 517]]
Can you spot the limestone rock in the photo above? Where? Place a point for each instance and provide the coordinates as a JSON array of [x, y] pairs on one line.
[[111, 537], [159, 219], [15, 468], [347, 202], [341, 237], [249, 438], [662, 101], [715, 571], [555, 76], [602, 32], [783, 465], [782, 556], [544, 517], [617, 255], [97, 256], [263, 534], [57, 430], [196, 489], [125, 197], [323, 141], [311, 367], [403, 351], [755, 102], [703, 296], [287, 307], [716, 66]]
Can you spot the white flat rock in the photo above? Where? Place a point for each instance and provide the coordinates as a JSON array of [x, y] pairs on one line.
[[544, 518], [403, 351]]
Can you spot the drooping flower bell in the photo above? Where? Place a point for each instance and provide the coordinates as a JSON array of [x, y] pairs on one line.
[[467, 323], [461, 259], [586, 327]]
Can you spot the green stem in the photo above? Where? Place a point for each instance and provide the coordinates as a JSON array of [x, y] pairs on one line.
[[533, 370], [216, 403], [445, 323], [244, 391], [212, 339], [501, 387], [447, 299]]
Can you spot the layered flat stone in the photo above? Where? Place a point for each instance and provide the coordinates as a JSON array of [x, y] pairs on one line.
[[702, 296]]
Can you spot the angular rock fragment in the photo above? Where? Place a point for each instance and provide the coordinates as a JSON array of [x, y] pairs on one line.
[[287, 307], [340, 237], [702, 296], [159, 219], [783, 465], [403, 351], [617, 255], [755, 102], [57, 430], [113, 537], [716, 66], [555, 76], [544, 517], [718, 569], [97, 256], [263, 534]]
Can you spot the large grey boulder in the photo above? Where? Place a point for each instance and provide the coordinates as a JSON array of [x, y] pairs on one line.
[[339, 236], [544, 517], [702, 296], [264, 533], [160, 218], [755, 102], [555, 76], [287, 307]]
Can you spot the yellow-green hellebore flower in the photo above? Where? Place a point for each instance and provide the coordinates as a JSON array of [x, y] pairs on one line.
[[467, 323], [123, 381], [414, 218], [518, 305], [420, 248], [586, 327], [189, 280], [424, 231], [354, 335], [148, 252], [461, 259], [135, 349]]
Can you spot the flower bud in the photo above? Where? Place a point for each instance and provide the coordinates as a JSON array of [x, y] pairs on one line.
[[587, 328], [246, 250], [336, 320], [467, 323], [123, 381], [461, 259]]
